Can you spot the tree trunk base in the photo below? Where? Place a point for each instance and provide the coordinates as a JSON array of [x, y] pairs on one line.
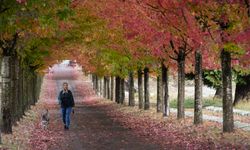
[[219, 93], [242, 92]]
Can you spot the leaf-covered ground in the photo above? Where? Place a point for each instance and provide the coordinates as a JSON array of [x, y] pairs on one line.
[[102, 124]]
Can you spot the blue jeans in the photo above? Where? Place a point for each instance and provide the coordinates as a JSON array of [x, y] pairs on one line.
[[66, 115]]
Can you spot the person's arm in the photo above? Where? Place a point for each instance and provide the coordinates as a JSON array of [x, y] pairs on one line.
[[72, 99]]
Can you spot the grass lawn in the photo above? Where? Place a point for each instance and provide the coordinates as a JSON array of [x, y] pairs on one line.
[[244, 105], [189, 103]]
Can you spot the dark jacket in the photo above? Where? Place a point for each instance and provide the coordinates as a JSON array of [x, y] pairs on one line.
[[66, 99]]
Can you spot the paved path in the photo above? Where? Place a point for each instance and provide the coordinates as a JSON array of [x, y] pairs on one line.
[[96, 127], [237, 124], [236, 111], [91, 127]]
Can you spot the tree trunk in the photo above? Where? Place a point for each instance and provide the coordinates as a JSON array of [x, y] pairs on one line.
[[140, 89], [24, 95], [166, 106], [104, 87], [97, 85], [122, 91], [181, 84], [159, 105], [38, 86], [228, 118], [6, 98], [198, 89], [131, 89], [146, 89], [31, 91], [117, 89], [93, 81], [34, 88], [13, 89], [1, 114], [26, 89], [108, 87], [242, 91], [101, 86], [219, 93], [17, 90], [112, 89]]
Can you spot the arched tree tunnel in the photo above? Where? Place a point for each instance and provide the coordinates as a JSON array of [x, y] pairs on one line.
[[142, 73]]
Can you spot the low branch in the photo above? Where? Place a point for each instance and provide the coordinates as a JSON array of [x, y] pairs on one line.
[[172, 44], [183, 14], [188, 52], [176, 59]]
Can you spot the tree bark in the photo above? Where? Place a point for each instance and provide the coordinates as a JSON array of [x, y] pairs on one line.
[[218, 93], [17, 90], [6, 98], [34, 88], [13, 89], [159, 105], [94, 77], [108, 87], [104, 87], [24, 76], [1, 114], [131, 89], [21, 90], [97, 85], [93, 81], [101, 87], [146, 89], [112, 88], [122, 91], [166, 106], [228, 119], [27, 90], [198, 89], [242, 91], [117, 89], [181, 84], [140, 89], [31, 91]]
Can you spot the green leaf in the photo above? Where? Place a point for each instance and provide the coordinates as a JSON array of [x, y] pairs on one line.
[[233, 48], [64, 13]]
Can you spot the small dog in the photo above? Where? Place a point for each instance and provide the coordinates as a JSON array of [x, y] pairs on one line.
[[45, 119]]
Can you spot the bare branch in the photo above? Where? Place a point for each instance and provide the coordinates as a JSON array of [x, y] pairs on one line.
[[172, 44], [176, 59]]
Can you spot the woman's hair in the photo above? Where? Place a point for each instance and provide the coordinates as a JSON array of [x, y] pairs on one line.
[[65, 83]]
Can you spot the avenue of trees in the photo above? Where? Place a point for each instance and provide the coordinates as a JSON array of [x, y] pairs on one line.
[[177, 37], [126, 39], [26, 29]]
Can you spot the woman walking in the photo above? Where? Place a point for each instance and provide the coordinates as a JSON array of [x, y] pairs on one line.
[[66, 100]]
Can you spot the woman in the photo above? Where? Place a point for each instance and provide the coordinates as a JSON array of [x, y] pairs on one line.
[[66, 100]]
